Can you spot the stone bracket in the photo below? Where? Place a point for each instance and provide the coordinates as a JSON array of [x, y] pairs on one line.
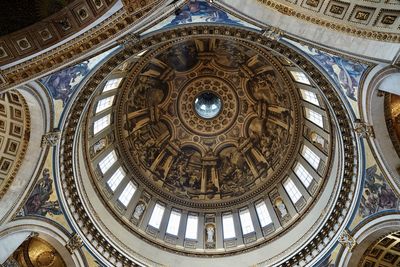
[[74, 243], [363, 129], [346, 240], [51, 138], [272, 33]]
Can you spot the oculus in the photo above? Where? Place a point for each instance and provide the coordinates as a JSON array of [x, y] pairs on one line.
[[207, 105]]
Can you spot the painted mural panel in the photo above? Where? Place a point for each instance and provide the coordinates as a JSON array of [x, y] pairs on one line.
[[377, 194], [63, 83], [200, 11], [39, 202], [345, 73]]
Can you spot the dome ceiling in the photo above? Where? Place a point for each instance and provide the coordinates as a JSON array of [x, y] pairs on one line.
[[222, 133], [243, 147]]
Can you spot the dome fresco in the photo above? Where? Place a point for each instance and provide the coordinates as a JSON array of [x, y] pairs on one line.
[[209, 159]]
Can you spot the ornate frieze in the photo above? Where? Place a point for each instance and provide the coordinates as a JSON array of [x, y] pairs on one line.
[[383, 28]]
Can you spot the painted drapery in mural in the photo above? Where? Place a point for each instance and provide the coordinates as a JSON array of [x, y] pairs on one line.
[[63, 83]]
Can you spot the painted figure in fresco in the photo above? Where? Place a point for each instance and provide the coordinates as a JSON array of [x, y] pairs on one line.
[[234, 172], [200, 11], [346, 73], [377, 194], [62, 84], [38, 203]]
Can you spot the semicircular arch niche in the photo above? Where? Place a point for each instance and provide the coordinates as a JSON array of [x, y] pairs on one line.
[[14, 136], [238, 182]]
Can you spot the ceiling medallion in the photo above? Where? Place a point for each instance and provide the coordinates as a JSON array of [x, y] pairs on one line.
[[208, 120]]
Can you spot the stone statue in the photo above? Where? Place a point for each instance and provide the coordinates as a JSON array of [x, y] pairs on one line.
[[210, 233], [281, 207], [139, 211]]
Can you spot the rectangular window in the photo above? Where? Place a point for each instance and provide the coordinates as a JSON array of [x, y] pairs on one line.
[[107, 162], [311, 157], [191, 226], [116, 179], [156, 216], [104, 103], [246, 222], [173, 223], [314, 117], [263, 214], [309, 96], [127, 194], [292, 190], [228, 226], [112, 84], [304, 176], [300, 77], [101, 123]]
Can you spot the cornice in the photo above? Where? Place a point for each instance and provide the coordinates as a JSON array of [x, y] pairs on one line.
[[378, 35], [95, 38]]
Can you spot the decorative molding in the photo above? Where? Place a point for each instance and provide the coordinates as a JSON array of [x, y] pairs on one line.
[[64, 54], [337, 9], [74, 243], [51, 138], [346, 240], [273, 33], [52, 30], [363, 129]]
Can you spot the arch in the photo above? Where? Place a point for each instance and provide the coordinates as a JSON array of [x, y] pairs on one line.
[[47, 230], [367, 233], [41, 113], [373, 113]]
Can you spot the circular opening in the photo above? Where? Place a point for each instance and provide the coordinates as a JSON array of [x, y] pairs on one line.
[[207, 105]]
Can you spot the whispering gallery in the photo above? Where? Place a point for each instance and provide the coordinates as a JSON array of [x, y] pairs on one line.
[[196, 133]]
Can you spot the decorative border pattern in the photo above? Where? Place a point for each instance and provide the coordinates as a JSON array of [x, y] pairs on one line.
[[359, 16]]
